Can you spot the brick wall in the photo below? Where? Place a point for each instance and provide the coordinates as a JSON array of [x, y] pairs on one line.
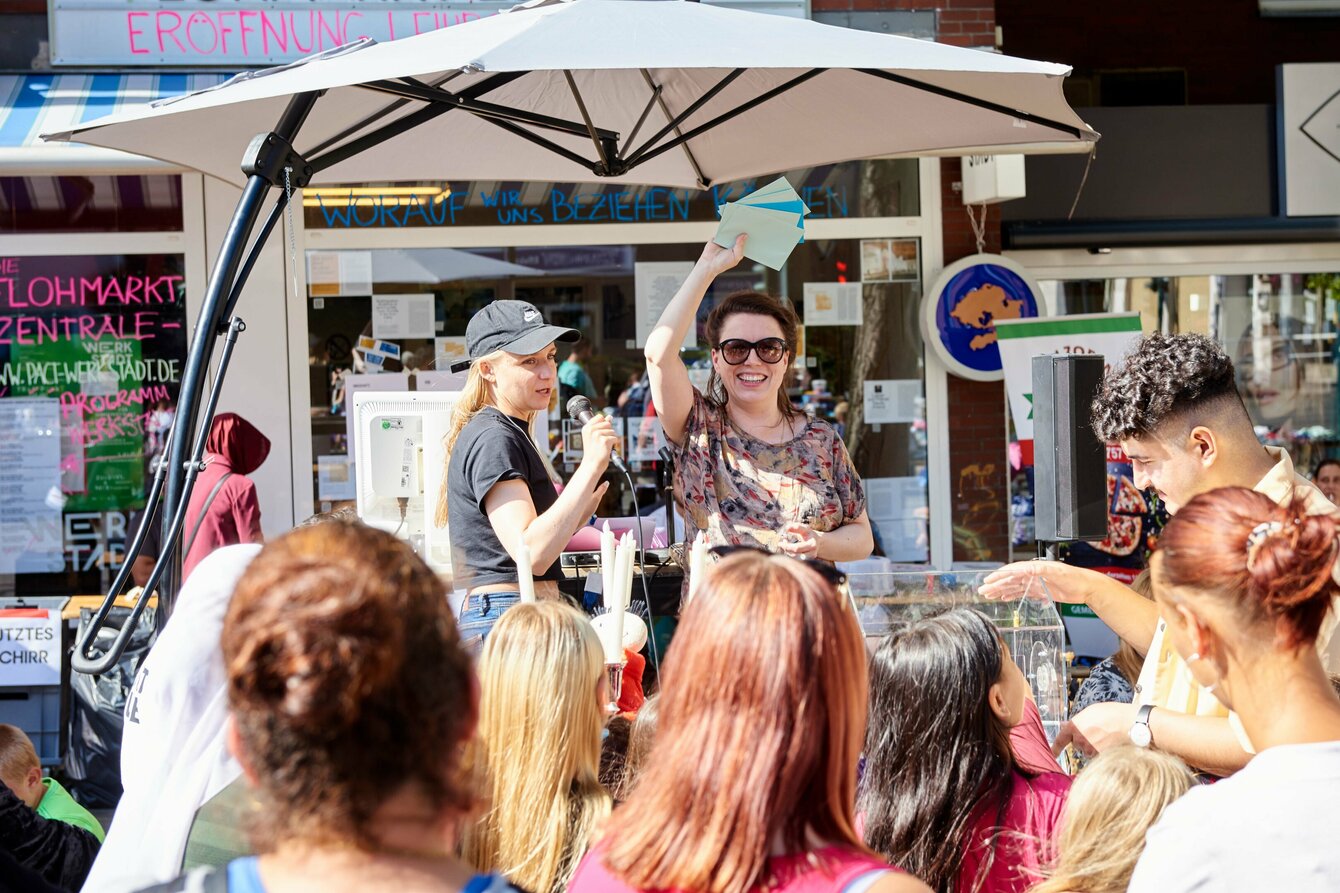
[[1227, 48], [977, 460], [967, 23]]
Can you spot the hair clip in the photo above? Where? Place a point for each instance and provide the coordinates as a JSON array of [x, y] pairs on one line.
[[1261, 531], [1258, 536]]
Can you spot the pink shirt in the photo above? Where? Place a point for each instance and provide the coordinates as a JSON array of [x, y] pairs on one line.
[[1027, 831], [838, 868]]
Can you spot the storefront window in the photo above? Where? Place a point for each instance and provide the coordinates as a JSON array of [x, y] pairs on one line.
[[91, 356], [879, 188], [89, 204], [390, 312], [1279, 330]]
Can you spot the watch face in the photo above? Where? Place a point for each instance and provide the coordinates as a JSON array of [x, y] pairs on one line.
[[1140, 736]]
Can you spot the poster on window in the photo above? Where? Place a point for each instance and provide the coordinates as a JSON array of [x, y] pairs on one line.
[[336, 274], [833, 304], [30, 495], [1111, 335], [654, 284]]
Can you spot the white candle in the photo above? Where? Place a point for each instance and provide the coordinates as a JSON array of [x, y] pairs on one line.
[[524, 582], [629, 570], [619, 600], [697, 562], [607, 564]]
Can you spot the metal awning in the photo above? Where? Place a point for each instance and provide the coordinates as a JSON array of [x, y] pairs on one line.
[[31, 104]]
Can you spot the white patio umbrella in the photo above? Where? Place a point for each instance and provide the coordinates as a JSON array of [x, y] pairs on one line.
[[661, 92], [750, 94]]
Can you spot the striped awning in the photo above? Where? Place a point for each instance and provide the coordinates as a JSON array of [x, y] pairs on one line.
[[33, 104]]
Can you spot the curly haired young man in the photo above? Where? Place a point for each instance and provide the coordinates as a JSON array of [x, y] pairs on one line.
[[1175, 409]]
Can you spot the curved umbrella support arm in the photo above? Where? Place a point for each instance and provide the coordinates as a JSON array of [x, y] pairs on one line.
[[83, 660]]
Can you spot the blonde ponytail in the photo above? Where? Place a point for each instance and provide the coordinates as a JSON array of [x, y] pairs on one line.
[[476, 395]]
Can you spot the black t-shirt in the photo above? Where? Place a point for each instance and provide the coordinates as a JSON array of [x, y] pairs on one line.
[[491, 448]]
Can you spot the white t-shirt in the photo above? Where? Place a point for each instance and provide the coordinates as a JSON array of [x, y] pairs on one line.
[[1269, 827]]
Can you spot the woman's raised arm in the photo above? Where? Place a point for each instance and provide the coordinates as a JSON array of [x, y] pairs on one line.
[[671, 391]]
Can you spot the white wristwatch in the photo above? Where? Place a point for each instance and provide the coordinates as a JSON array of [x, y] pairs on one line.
[[1140, 734]]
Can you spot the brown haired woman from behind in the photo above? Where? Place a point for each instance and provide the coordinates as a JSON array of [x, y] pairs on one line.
[[1244, 586], [350, 697], [750, 469], [751, 779]]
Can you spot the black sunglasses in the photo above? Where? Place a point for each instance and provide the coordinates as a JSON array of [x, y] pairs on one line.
[[736, 350], [822, 568]]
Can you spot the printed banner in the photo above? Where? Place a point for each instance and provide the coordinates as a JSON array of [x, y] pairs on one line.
[[1111, 335]]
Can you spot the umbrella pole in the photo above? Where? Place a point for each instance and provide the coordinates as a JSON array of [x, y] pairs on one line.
[[265, 162]]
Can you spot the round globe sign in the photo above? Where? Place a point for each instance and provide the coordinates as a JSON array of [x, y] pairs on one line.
[[959, 313]]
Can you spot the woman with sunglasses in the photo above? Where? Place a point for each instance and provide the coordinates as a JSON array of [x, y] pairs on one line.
[[750, 468]]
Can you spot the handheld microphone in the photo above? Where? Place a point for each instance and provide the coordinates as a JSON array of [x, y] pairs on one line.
[[579, 408]]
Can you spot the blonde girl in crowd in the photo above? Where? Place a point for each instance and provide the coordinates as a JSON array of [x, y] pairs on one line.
[[1112, 804], [537, 754]]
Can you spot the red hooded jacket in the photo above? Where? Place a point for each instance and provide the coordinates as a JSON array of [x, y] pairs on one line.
[[234, 448]]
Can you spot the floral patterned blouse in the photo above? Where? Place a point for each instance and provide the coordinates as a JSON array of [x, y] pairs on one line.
[[742, 490]]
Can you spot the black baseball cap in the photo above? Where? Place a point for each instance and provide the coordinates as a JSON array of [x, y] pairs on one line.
[[514, 326]]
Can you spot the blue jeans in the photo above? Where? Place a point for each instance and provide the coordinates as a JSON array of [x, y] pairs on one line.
[[478, 615]]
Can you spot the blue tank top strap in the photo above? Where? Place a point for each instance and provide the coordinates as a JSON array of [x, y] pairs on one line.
[[244, 876], [488, 883]]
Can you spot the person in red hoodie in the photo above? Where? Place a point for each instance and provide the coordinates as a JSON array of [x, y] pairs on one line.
[[223, 510]]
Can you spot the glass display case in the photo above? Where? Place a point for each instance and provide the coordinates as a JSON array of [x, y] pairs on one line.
[[1031, 626]]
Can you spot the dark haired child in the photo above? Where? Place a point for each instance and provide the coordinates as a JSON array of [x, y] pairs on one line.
[[943, 795], [1175, 409]]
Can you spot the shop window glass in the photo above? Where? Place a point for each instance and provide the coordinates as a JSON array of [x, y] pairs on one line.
[[878, 188], [92, 203], [1279, 329], [594, 289], [91, 357]]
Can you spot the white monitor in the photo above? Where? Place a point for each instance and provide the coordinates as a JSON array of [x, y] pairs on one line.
[[400, 455]]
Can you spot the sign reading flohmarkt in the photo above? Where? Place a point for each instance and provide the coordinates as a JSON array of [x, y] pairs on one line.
[[246, 33]]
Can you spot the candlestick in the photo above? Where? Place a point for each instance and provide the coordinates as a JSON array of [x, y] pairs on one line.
[[624, 566], [524, 581], [607, 565]]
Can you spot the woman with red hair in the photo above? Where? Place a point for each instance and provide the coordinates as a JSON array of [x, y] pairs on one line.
[[1243, 584], [751, 781]]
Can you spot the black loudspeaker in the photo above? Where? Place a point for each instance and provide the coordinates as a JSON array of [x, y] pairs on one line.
[[1070, 464]]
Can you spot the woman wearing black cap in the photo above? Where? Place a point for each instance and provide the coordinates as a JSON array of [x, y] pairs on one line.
[[499, 495]]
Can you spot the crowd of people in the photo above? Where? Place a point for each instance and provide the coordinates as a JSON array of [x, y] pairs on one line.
[[313, 716]]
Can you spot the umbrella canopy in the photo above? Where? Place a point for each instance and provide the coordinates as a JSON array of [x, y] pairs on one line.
[[664, 92]]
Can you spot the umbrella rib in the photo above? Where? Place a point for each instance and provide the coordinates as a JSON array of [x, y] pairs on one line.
[[642, 156], [540, 141], [408, 122], [973, 100], [425, 93], [683, 116], [658, 96], [642, 119], [377, 137], [374, 117], [586, 117]]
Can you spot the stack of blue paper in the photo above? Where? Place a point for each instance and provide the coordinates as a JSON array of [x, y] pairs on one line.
[[773, 218]]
